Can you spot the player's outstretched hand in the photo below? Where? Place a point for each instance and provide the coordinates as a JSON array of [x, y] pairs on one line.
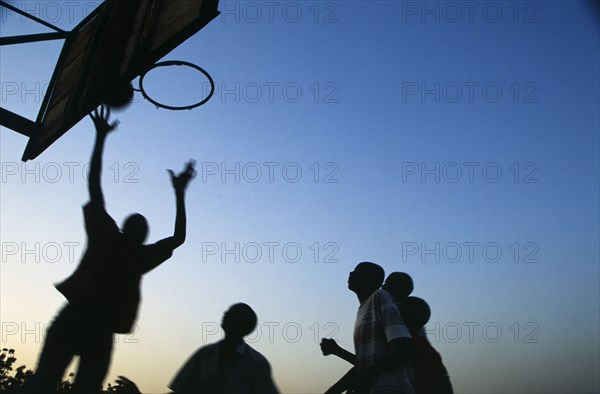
[[126, 386], [181, 180], [100, 119], [328, 346]]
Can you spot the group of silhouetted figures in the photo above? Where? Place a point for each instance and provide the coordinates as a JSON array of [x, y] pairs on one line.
[[392, 354]]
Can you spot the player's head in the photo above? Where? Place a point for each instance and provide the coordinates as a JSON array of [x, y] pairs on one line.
[[239, 321], [366, 277], [399, 284], [135, 228], [415, 312]]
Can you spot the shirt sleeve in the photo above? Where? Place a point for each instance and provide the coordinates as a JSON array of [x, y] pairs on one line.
[[155, 254], [188, 376], [390, 318]]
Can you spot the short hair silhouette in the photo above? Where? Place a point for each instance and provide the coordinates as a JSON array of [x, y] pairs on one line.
[[239, 320], [399, 284], [370, 275], [135, 228], [415, 312]]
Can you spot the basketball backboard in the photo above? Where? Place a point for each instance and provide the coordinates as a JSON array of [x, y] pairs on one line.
[[114, 44]]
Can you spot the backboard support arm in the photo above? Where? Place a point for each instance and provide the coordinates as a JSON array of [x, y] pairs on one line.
[[18, 123], [24, 39], [33, 18]]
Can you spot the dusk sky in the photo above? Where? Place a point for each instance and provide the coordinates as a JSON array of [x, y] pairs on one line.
[[454, 141]]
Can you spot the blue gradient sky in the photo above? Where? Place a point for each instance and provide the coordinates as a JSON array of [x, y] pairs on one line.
[[530, 313]]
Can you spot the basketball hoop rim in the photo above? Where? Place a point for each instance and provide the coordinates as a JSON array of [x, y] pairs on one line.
[[169, 63]]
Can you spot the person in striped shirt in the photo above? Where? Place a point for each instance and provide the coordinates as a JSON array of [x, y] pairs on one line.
[[382, 342]]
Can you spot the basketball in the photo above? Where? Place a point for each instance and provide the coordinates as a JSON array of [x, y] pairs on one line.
[[120, 96]]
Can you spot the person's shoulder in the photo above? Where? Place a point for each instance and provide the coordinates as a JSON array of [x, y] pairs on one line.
[[377, 294], [383, 296], [186, 378], [372, 301], [210, 348], [160, 247], [202, 353], [383, 293], [256, 355], [95, 209]]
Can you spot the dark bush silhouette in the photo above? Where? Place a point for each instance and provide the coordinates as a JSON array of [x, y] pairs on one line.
[[12, 379]]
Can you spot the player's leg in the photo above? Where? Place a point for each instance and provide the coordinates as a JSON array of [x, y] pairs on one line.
[[58, 351], [94, 361]]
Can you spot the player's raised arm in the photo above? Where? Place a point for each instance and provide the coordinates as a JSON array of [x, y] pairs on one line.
[[100, 119], [180, 182], [163, 249]]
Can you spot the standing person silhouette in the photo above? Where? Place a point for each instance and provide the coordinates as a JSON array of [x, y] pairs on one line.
[[399, 285], [431, 375], [382, 341], [103, 293], [229, 366]]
